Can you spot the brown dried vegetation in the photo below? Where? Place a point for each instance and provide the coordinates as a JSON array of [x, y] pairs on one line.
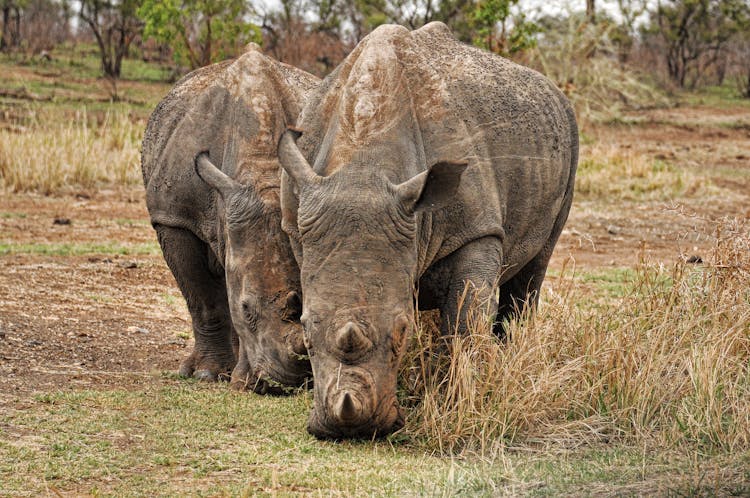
[[665, 364]]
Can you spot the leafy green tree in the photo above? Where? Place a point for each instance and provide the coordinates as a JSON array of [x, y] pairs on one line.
[[199, 31], [115, 25], [498, 30]]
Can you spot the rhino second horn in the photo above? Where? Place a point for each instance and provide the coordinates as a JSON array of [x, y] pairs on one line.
[[348, 409], [351, 339]]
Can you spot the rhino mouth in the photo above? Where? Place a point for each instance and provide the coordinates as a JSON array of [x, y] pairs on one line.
[[272, 381], [267, 381], [376, 427]]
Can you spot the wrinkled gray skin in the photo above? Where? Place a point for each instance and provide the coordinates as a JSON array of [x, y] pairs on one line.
[[423, 163], [218, 219]]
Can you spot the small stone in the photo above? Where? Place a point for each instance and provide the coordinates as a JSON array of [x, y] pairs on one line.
[[33, 342], [614, 230], [61, 221], [129, 265], [138, 330], [694, 259]]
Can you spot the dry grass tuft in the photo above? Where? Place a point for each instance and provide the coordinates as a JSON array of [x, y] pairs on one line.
[[50, 153], [609, 171], [667, 364]]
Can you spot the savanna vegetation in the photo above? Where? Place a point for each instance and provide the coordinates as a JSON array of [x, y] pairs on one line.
[[633, 377]]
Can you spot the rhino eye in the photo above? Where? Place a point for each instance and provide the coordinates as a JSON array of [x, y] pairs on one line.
[[250, 311], [293, 307]]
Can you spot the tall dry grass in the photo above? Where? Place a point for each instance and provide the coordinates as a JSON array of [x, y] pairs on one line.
[[608, 171], [52, 151], [666, 364]]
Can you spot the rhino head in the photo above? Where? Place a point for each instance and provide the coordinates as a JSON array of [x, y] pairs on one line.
[[261, 278], [359, 243]]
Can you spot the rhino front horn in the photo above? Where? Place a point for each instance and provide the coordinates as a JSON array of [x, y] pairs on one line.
[[351, 339], [348, 409]]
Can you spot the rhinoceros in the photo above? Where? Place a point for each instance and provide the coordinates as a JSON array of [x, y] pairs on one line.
[[420, 162], [219, 227]]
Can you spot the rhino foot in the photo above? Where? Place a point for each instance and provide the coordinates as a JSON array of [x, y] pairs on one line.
[[206, 368]]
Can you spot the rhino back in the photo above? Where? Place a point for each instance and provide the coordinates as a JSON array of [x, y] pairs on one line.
[[450, 101], [236, 111], [516, 129]]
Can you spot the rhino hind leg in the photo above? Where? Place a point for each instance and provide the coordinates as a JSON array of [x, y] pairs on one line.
[[202, 284], [520, 292]]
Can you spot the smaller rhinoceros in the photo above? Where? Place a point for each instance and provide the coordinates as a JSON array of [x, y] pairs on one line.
[[219, 227]]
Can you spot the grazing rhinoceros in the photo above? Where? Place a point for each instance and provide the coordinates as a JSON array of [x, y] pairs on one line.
[[422, 162], [220, 227]]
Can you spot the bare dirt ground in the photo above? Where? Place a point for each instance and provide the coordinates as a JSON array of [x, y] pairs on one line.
[[106, 319]]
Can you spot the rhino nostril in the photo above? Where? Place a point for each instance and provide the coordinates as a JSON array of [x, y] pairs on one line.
[[297, 344], [351, 339]]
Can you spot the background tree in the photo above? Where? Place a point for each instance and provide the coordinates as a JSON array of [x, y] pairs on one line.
[[46, 23], [695, 34], [740, 55], [11, 27], [591, 11], [498, 30], [115, 25], [200, 31]]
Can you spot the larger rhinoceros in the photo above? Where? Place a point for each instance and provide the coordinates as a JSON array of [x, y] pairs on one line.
[[423, 162], [220, 227]]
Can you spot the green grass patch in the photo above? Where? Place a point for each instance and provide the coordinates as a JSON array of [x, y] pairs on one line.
[[128, 222], [615, 281], [82, 249], [609, 173], [186, 437], [73, 77], [721, 96]]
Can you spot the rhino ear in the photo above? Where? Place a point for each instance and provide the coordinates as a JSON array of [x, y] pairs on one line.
[[213, 176], [292, 160], [432, 189]]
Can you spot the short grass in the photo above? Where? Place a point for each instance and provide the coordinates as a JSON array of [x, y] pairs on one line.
[[183, 438], [80, 249], [719, 96]]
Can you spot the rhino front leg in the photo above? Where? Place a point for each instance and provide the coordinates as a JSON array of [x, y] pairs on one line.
[[522, 290], [476, 265], [201, 281]]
